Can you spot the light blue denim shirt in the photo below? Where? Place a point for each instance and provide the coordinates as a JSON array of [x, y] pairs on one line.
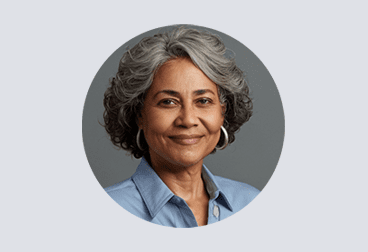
[[147, 196]]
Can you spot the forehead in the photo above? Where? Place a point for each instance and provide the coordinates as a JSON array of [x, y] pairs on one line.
[[181, 75]]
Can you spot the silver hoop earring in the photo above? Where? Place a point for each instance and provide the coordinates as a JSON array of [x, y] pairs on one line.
[[137, 139], [226, 139]]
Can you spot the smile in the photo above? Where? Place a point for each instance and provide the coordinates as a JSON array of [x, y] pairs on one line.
[[186, 139]]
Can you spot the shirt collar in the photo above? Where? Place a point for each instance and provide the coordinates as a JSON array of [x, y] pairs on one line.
[[156, 194], [213, 188]]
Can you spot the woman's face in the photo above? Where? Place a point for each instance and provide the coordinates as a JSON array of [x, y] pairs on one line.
[[182, 114]]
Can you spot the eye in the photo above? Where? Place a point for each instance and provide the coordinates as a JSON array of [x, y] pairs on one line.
[[167, 102], [204, 101]]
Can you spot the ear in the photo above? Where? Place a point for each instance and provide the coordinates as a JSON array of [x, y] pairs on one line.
[[139, 121], [223, 109]]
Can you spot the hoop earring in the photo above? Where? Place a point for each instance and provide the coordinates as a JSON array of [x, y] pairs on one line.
[[226, 140], [137, 139]]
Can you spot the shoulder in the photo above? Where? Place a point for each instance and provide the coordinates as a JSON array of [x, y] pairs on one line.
[[233, 185], [123, 190], [123, 185], [239, 194], [126, 194]]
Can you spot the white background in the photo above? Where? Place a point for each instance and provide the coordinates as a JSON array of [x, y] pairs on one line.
[[316, 52]]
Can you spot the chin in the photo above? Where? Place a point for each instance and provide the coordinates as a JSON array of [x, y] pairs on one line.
[[184, 156], [187, 158], [186, 162]]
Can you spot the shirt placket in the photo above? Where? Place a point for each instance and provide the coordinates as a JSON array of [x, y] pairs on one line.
[[213, 212], [188, 217]]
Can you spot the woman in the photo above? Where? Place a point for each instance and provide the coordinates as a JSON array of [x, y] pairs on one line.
[[176, 99]]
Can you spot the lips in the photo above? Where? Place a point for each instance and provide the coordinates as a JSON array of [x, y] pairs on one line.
[[186, 139]]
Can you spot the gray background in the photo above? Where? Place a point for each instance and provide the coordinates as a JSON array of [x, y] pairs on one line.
[[252, 158]]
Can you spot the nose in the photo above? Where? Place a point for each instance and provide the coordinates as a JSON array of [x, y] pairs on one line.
[[187, 117]]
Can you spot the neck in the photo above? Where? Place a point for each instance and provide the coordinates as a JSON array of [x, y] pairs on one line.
[[184, 181]]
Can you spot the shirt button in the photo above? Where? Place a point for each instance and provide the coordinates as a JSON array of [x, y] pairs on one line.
[[216, 211]]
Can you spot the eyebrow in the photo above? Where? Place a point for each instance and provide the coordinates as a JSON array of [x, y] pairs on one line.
[[177, 94], [203, 91], [167, 91]]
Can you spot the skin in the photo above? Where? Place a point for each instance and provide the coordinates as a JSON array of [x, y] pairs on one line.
[[181, 120]]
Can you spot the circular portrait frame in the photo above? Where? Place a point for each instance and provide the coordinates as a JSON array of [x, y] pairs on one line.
[[253, 156]]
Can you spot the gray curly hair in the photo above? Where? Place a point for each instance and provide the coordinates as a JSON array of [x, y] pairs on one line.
[[124, 98]]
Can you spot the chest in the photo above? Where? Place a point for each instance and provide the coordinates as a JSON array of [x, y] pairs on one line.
[[200, 211], [177, 213]]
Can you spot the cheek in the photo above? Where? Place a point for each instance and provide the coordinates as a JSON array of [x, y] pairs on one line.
[[213, 122], [156, 124]]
